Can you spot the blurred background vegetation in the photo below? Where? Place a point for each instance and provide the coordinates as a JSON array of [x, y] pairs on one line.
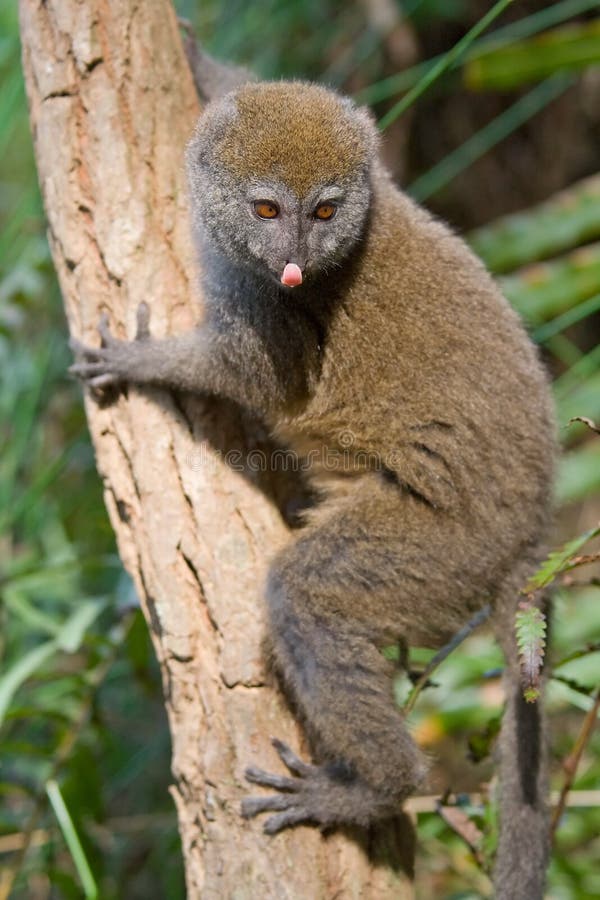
[[505, 146]]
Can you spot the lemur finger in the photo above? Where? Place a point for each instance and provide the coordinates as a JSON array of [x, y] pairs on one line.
[[293, 816], [80, 349], [269, 779], [104, 330], [143, 322], [99, 382], [252, 806], [76, 346], [293, 762], [87, 369]]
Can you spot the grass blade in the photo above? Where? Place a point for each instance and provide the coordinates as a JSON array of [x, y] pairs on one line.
[[71, 837], [524, 28], [483, 140], [446, 62], [12, 680], [571, 317]]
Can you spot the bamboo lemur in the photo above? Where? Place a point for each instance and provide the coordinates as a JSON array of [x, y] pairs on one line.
[[373, 342]]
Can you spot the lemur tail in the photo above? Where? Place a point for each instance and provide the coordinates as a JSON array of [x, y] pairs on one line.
[[524, 839]]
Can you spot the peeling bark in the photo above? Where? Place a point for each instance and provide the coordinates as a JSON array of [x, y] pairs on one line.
[[112, 104]]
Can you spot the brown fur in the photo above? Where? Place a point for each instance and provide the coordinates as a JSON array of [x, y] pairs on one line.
[[315, 149]]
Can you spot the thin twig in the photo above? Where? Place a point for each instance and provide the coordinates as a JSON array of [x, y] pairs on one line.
[[459, 822], [477, 620], [583, 560], [428, 804], [572, 761]]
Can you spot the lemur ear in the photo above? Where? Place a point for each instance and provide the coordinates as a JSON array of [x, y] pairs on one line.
[[366, 121], [210, 127]]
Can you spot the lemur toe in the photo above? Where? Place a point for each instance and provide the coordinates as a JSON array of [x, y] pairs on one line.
[[295, 815], [268, 779], [291, 761], [252, 806], [142, 322]]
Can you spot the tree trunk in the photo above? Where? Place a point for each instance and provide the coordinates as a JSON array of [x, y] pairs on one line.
[[112, 104]]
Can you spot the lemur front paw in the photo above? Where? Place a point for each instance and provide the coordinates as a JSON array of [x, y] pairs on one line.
[[110, 364]]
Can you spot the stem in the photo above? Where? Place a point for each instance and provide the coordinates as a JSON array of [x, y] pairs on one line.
[[478, 619], [571, 763]]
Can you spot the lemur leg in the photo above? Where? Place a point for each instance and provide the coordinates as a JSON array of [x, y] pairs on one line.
[[335, 597]]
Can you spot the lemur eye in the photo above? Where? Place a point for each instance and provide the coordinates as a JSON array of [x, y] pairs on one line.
[[266, 209], [325, 211]]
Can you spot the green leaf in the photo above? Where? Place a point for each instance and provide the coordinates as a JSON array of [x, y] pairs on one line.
[[522, 28], [568, 219], [582, 401], [20, 606], [571, 317], [72, 632], [487, 137], [12, 680], [570, 48], [578, 474], [558, 561], [544, 290], [530, 626], [68, 638]]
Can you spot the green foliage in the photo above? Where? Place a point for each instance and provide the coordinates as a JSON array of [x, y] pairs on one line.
[[549, 288], [445, 63], [500, 37], [90, 888], [480, 743], [560, 561], [566, 49], [579, 474], [530, 626], [568, 220], [486, 139]]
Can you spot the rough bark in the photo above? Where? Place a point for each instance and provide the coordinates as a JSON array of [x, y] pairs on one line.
[[112, 104]]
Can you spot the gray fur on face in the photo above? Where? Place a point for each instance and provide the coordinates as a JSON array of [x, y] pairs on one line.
[[225, 220]]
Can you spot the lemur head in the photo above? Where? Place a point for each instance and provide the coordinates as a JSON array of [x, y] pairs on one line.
[[279, 177]]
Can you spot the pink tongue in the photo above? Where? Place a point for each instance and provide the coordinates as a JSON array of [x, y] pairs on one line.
[[292, 275]]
